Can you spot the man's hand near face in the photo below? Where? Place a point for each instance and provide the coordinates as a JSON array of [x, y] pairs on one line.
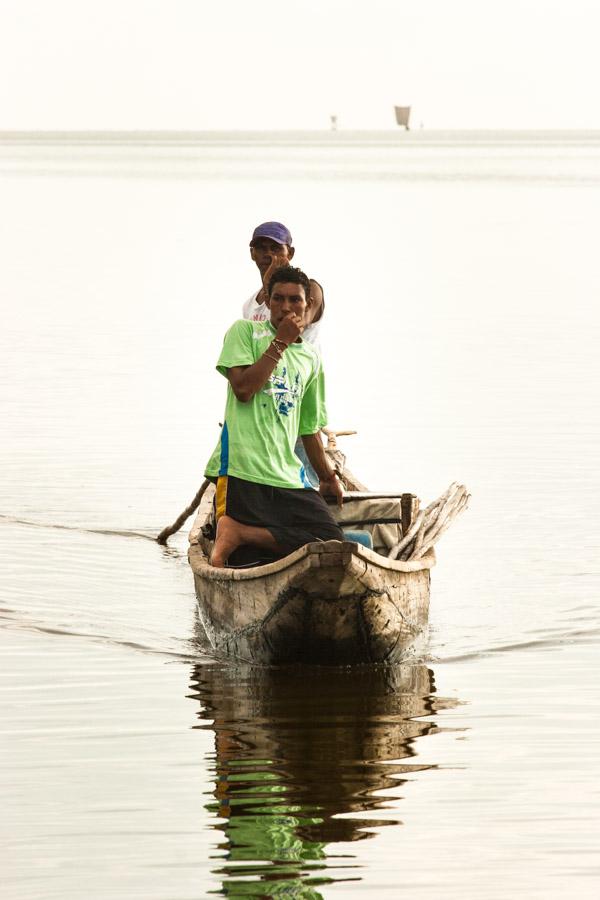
[[277, 261], [290, 328]]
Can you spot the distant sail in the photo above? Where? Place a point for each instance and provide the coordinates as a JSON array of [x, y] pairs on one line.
[[333, 120], [402, 116]]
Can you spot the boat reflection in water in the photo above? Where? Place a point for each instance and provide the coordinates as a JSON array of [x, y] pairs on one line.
[[297, 750]]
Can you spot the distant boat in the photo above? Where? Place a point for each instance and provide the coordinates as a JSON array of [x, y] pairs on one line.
[[334, 120], [402, 116]]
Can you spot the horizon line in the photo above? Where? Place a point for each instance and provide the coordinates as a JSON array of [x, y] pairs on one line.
[[9, 132]]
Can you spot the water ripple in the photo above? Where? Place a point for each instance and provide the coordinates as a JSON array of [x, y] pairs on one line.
[[587, 636]]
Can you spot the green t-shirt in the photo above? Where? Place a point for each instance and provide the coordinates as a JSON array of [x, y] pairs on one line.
[[258, 437]]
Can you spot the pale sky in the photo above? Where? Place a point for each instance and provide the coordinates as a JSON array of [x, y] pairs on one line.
[[194, 64]]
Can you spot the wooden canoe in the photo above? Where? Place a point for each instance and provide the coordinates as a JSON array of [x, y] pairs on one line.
[[329, 603]]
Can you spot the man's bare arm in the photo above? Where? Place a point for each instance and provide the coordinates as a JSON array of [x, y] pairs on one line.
[[318, 302], [329, 483], [246, 381]]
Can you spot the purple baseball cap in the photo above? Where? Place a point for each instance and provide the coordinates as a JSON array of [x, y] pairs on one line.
[[275, 231]]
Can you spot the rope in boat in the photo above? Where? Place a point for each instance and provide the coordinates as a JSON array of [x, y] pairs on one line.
[[167, 532], [430, 523]]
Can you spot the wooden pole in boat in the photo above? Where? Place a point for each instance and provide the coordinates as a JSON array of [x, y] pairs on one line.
[[332, 436], [409, 504], [167, 532]]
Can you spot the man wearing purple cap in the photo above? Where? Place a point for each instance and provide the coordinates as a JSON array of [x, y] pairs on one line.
[[271, 248]]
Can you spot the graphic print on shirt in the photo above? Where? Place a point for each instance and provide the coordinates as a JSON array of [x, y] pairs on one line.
[[284, 393], [257, 335]]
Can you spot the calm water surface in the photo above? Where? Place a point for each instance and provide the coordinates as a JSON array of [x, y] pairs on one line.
[[462, 332]]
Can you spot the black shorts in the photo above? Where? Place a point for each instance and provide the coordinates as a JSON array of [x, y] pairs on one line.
[[293, 516]]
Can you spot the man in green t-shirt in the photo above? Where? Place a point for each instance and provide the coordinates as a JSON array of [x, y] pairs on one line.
[[275, 393]]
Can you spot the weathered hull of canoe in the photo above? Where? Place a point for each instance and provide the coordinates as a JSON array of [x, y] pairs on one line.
[[327, 603]]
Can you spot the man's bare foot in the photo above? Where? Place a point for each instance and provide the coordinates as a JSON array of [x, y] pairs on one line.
[[231, 534], [227, 540]]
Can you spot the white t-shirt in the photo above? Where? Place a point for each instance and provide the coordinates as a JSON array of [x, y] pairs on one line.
[[259, 312]]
